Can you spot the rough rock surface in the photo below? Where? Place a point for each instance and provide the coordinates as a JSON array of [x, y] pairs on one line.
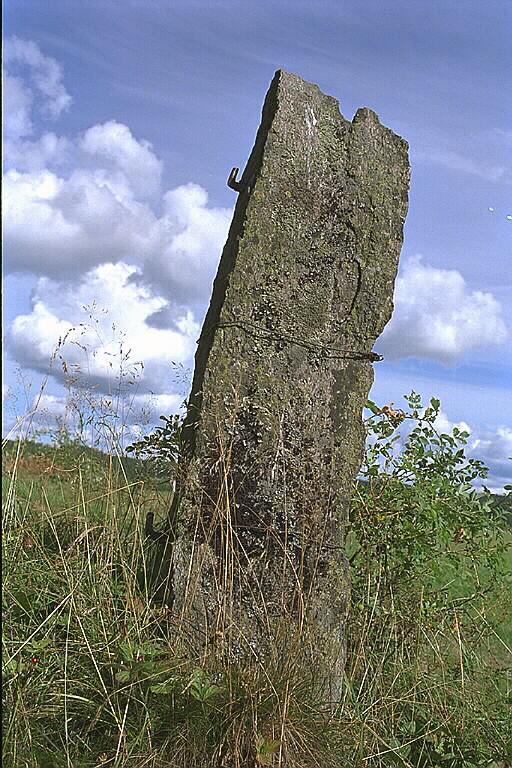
[[273, 437]]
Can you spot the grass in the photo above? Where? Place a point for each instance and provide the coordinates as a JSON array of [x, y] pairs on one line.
[[95, 675]]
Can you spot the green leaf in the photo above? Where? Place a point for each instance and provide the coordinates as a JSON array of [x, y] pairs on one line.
[[201, 687], [10, 668], [266, 749], [166, 687], [123, 676]]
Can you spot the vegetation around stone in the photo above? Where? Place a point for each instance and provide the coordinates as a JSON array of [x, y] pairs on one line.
[[95, 674]]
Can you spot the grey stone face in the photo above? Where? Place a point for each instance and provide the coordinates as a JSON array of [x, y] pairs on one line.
[[273, 438]]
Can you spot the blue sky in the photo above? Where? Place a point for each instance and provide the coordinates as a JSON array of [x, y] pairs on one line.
[[123, 120]]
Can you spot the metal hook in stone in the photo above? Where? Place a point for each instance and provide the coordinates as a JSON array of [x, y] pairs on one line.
[[232, 182]]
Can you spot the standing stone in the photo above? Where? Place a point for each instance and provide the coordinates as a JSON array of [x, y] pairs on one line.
[[273, 438]]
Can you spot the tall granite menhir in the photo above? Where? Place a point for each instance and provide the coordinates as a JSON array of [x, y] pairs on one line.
[[273, 437]]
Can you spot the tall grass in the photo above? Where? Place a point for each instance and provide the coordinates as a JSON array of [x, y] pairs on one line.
[[95, 674]]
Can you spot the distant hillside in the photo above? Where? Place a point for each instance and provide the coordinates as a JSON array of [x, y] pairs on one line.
[[34, 458], [43, 459]]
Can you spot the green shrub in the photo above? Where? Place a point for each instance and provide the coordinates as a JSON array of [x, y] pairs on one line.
[[429, 654]]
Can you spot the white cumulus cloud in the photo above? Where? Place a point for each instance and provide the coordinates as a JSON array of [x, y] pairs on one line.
[[18, 102], [62, 227], [495, 450], [48, 151], [44, 73], [87, 217], [444, 426], [32, 83], [191, 236], [437, 317], [99, 326], [115, 143], [71, 204]]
